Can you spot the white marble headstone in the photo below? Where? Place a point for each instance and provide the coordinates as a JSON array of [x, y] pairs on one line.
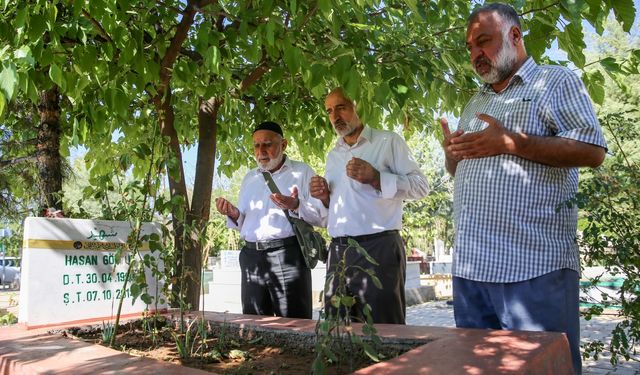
[[70, 274]]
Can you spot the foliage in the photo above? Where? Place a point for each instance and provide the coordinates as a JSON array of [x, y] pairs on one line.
[[610, 202], [12, 244], [18, 173], [336, 343], [429, 218], [608, 196], [107, 332], [187, 338], [8, 318], [402, 60]]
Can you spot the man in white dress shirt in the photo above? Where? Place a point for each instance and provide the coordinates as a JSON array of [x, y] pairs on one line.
[[275, 279], [369, 174]]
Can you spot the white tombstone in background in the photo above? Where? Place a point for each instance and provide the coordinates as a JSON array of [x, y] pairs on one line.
[[442, 264], [69, 271]]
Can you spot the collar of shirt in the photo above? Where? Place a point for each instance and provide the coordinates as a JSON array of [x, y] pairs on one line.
[[524, 74], [366, 135]]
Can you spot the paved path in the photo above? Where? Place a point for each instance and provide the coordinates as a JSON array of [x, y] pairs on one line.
[[439, 313]]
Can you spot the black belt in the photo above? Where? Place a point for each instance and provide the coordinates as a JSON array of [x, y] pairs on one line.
[[343, 241], [271, 244]]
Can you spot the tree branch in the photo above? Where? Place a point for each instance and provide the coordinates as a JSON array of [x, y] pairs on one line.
[[540, 9], [28, 142], [15, 161], [182, 31], [97, 25], [254, 76]]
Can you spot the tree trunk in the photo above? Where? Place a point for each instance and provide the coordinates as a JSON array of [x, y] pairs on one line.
[[178, 188], [48, 158], [201, 202]]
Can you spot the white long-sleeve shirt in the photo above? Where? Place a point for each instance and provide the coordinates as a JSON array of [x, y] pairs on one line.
[[356, 208], [260, 219]]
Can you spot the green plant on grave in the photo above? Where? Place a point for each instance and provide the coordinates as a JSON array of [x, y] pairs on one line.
[[609, 200], [8, 318], [336, 342], [135, 207], [192, 341], [107, 331], [150, 326]]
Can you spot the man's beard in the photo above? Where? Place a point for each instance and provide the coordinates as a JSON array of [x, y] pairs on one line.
[[347, 128], [272, 163], [505, 61]]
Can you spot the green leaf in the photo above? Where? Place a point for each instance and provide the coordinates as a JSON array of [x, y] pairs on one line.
[[625, 12], [376, 282], [135, 291], [291, 59], [335, 301], [325, 7], [56, 75], [572, 7], [348, 301], [146, 298], [400, 90], [21, 18], [269, 30], [212, 59], [370, 352], [595, 85], [2, 105], [572, 41], [596, 16], [8, 81], [24, 55], [610, 64], [121, 102]]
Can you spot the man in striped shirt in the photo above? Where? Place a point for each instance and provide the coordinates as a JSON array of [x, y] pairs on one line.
[[515, 158]]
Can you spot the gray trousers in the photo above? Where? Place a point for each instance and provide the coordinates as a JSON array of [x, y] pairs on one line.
[[387, 304], [275, 282]]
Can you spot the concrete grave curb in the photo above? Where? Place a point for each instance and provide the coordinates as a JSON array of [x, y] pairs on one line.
[[447, 351]]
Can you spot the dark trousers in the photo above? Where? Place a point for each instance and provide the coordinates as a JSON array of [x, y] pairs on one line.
[[387, 304], [275, 282], [546, 303]]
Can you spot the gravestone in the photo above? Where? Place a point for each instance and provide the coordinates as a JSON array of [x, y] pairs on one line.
[[230, 259], [442, 264], [74, 270]]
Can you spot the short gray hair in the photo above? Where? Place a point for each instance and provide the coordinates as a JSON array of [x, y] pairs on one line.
[[506, 12]]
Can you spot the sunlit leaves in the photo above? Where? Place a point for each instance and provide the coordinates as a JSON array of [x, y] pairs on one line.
[[55, 73], [596, 15], [625, 12], [572, 41], [3, 104], [24, 56], [8, 80], [595, 85]]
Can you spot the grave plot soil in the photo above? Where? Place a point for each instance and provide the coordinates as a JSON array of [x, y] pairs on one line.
[[225, 352]]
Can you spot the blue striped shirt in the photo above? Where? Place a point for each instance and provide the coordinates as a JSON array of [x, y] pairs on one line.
[[511, 223]]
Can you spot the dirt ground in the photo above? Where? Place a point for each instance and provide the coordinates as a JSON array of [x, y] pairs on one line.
[[223, 354]]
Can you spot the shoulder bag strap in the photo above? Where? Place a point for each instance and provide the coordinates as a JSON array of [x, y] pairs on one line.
[[274, 189]]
